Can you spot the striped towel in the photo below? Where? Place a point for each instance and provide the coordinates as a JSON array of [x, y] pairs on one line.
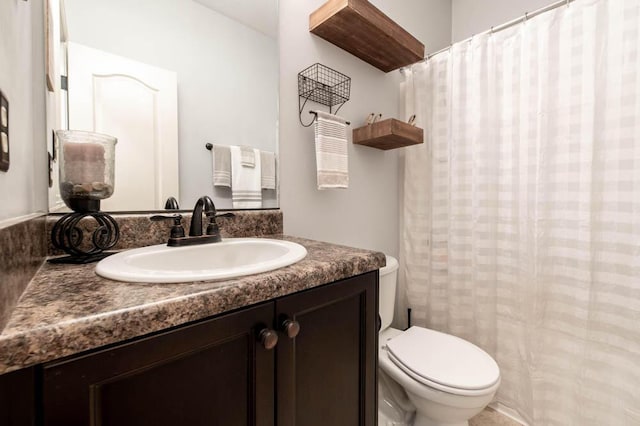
[[221, 165], [245, 181], [268, 165], [248, 156], [331, 151]]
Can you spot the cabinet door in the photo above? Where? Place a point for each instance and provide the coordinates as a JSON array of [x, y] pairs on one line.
[[326, 375], [18, 398], [210, 373]]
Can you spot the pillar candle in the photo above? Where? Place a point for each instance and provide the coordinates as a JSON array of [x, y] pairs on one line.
[[83, 162]]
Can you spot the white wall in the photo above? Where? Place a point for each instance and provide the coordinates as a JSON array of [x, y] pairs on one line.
[[427, 20], [227, 74], [366, 214], [471, 17], [23, 189]]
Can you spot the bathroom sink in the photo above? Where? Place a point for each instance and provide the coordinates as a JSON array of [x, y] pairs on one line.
[[233, 257]]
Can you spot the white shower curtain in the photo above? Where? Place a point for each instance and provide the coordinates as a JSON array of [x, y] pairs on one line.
[[521, 223]]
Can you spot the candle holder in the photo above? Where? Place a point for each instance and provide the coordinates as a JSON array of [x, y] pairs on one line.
[[87, 165]]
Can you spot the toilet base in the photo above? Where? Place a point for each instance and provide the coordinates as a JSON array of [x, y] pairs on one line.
[[425, 421]]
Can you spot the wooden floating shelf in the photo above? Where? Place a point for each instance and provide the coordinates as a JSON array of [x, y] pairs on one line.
[[388, 134], [363, 30]]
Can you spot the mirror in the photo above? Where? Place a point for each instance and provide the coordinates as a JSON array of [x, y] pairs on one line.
[[166, 77]]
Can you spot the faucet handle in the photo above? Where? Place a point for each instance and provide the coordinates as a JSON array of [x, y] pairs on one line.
[[177, 230], [225, 215], [213, 228], [177, 218]]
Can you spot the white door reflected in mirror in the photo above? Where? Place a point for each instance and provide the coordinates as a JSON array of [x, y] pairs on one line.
[[138, 103]]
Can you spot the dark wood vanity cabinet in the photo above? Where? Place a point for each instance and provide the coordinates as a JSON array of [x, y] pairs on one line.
[[210, 373], [219, 372], [327, 374]]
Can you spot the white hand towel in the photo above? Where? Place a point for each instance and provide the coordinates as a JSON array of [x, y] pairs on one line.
[[245, 181], [268, 164], [248, 156], [221, 165], [331, 151]]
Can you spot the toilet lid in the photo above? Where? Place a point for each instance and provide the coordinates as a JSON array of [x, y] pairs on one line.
[[431, 356]]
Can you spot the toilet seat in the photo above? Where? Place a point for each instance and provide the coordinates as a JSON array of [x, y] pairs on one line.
[[443, 362]]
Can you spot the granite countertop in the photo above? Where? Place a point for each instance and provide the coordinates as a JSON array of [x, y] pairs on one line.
[[68, 309]]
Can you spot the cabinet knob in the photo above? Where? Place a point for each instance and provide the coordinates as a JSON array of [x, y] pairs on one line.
[[268, 338], [290, 327]]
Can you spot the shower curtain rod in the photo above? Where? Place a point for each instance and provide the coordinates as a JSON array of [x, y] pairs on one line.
[[509, 24]]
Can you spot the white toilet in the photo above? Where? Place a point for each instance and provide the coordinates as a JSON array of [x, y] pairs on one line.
[[447, 380]]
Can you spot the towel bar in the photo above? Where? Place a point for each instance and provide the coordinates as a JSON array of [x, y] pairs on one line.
[[348, 123]]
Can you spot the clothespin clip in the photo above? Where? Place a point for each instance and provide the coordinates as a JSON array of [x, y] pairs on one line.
[[370, 118]]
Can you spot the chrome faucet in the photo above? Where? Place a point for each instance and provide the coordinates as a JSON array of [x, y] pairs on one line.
[[212, 234]]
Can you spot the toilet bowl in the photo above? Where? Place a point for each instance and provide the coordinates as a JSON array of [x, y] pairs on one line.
[[446, 379]]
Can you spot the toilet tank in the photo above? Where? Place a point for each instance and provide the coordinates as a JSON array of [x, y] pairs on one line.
[[387, 297]]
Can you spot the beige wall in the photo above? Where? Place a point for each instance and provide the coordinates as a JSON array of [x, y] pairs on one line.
[[471, 17], [23, 189], [366, 214]]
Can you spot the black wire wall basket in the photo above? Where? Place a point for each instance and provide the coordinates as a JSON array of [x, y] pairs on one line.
[[323, 85]]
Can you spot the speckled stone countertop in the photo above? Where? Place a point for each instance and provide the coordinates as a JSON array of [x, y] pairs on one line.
[[68, 309]]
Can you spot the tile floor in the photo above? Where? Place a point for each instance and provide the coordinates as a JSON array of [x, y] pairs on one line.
[[490, 417]]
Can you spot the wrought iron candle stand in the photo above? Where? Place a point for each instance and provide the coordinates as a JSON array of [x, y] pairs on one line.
[[68, 235], [86, 177]]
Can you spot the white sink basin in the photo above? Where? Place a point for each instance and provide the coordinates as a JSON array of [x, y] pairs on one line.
[[233, 257]]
